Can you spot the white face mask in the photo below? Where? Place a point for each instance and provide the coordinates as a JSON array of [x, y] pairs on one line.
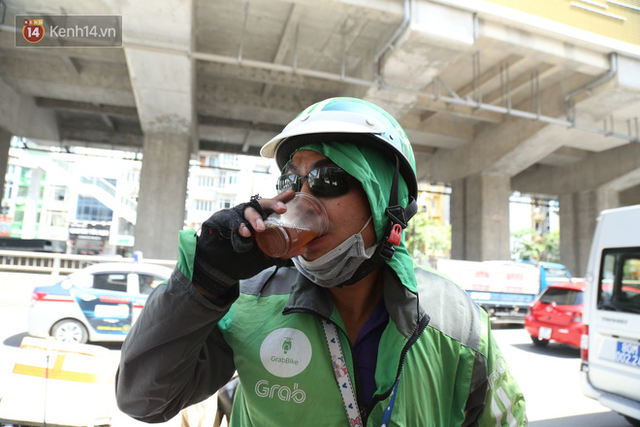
[[337, 265]]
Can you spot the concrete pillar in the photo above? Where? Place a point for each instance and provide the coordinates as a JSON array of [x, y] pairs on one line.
[[630, 196], [163, 191], [5, 144], [34, 195], [578, 214], [569, 250], [480, 218], [458, 245]]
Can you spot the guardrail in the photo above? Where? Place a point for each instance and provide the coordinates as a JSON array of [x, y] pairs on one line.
[[60, 264]]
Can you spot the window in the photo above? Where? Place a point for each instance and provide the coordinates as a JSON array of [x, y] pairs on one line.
[[261, 168], [110, 282], [132, 176], [204, 205], [225, 203], [59, 193], [208, 160], [556, 275], [226, 179], [229, 159], [8, 190], [91, 209], [619, 282], [148, 283], [206, 181], [562, 296], [57, 219], [125, 228]]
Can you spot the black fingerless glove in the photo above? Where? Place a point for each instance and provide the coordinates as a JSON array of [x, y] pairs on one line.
[[223, 256]]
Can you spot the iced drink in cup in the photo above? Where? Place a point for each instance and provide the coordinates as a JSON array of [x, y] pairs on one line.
[[304, 220]]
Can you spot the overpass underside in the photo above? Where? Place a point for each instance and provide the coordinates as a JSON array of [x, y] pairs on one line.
[[494, 100]]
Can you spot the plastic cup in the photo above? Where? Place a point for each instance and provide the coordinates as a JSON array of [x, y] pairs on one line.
[[304, 220]]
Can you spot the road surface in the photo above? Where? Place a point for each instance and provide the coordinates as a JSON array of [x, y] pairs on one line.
[[547, 376]]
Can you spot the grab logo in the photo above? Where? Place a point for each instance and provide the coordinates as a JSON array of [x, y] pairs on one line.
[[284, 393], [285, 352]]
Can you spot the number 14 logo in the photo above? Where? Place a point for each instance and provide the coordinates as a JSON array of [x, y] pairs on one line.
[[33, 30]]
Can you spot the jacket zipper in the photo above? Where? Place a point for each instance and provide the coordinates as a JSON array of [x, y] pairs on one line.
[[421, 327]]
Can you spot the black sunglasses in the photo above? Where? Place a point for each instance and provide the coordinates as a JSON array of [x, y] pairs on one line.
[[326, 181]]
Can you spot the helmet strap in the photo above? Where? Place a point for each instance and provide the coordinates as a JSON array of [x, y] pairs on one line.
[[398, 218]]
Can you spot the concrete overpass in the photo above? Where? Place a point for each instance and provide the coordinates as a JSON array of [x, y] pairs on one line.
[[494, 99]]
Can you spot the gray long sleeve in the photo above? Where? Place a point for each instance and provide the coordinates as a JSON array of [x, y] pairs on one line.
[[174, 356]]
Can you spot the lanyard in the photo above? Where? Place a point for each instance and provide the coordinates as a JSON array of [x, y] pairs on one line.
[[344, 381]]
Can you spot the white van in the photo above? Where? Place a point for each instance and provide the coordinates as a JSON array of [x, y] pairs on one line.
[[610, 345]]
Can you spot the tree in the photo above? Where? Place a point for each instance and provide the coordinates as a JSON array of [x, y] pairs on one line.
[[552, 246], [426, 238], [527, 244]]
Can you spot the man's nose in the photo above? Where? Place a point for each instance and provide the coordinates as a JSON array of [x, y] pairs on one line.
[[305, 187]]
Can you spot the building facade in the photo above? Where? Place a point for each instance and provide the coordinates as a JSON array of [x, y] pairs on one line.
[[85, 201]]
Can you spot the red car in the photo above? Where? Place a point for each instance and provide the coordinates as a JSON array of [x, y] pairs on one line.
[[556, 315]]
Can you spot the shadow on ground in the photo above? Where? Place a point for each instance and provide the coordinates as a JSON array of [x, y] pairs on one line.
[[506, 325], [109, 345], [553, 349], [16, 340]]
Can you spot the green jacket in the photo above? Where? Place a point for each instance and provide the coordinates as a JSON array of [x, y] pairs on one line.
[[437, 343]]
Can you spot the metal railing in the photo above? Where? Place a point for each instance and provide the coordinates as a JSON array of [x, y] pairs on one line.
[[60, 264]]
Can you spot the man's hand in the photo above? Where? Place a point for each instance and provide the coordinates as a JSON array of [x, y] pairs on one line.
[[226, 251]]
